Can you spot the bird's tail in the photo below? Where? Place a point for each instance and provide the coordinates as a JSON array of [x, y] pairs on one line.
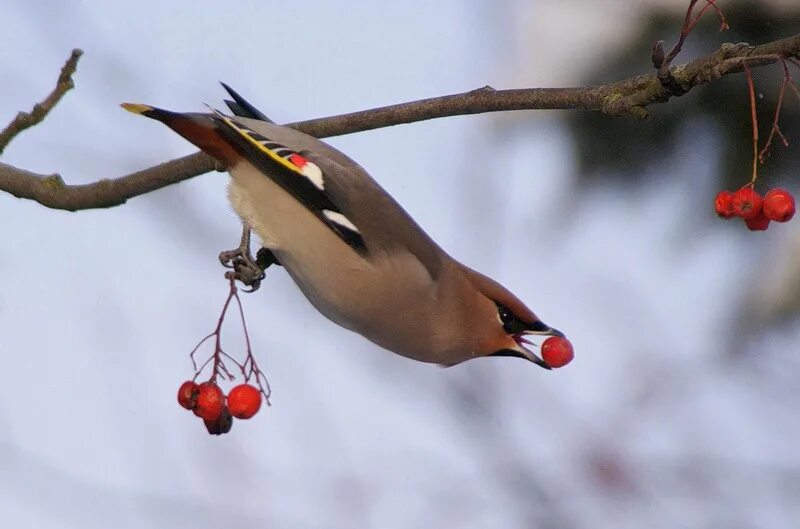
[[200, 129]]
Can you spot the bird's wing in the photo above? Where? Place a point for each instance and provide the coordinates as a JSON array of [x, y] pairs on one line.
[[293, 172], [242, 107], [332, 181]]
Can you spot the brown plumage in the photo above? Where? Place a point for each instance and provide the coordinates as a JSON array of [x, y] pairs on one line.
[[355, 253]]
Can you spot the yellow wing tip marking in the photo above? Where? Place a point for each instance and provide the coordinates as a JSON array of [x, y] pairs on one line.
[[136, 108], [243, 133]]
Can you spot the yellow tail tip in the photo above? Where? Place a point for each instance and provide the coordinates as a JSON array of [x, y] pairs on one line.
[[136, 108]]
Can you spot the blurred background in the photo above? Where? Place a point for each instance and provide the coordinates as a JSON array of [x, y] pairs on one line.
[[680, 409]]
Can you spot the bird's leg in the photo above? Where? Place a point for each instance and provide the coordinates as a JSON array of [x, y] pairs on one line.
[[265, 258], [228, 258], [245, 268]]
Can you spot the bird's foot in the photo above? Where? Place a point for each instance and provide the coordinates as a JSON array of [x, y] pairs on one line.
[[244, 268]]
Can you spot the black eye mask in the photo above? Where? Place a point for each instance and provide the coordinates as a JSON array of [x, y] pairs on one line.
[[511, 324]]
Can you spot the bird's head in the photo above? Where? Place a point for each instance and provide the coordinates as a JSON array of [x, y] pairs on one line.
[[515, 330], [509, 321]]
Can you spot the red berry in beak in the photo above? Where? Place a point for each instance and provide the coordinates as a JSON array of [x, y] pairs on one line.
[[557, 351]]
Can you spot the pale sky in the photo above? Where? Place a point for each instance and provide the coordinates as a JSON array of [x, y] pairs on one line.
[[654, 424]]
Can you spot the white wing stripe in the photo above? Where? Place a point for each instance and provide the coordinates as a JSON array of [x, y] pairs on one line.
[[340, 219], [314, 174]]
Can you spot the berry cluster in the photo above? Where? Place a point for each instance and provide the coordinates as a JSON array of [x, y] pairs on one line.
[[208, 402], [778, 204], [757, 211], [557, 351]]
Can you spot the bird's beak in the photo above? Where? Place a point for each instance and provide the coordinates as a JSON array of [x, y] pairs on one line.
[[520, 351], [538, 328], [530, 356]]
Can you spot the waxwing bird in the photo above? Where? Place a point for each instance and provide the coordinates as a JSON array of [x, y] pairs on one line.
[[353, 251]]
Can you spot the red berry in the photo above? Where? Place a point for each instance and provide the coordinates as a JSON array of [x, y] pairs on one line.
[[210, 401], [222, 424], [244, 401], [779, 205], [747, 203], [557, 351], [187, 395], [758, 223], [723, 204]]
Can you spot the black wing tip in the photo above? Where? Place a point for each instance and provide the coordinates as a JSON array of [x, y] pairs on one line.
[[242, 107], [352, 238], [235, 108]]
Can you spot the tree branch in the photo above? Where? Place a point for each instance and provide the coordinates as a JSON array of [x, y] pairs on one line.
[[626, 97], [26, 120]]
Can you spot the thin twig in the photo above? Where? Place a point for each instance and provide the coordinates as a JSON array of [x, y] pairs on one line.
[[249, 367], [26, 120], [795, 89], [712, 4], [264, 387], [676, 49], [754, 118], [775, 129], [662, 62], [688, 25]]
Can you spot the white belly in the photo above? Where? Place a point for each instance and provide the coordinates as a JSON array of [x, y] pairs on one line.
[[358, 295]]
